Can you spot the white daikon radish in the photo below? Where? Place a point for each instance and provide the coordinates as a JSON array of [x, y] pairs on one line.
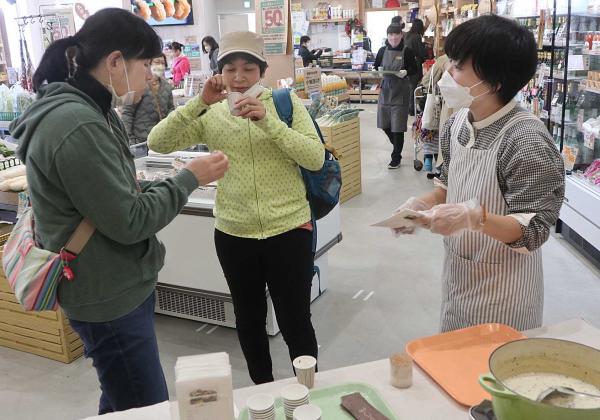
[[18, 184], [13, 172]]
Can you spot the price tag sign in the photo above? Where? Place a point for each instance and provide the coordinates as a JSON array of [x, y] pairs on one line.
[[312, 79], [588, 140], [274, 25]]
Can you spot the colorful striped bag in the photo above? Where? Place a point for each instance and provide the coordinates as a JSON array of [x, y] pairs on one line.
[[34, 273]]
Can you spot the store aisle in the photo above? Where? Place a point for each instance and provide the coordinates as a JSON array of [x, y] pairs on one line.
[[398, 280]]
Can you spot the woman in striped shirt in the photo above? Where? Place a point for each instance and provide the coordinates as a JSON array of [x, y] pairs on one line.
[[502, 181]]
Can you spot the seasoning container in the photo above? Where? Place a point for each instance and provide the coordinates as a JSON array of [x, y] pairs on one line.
[[401, 366]]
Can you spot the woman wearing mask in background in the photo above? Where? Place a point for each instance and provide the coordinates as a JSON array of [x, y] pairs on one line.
[[210, 47], [181, 64], [156, 103], [414, 40], [502, 183], [392, 106], [308, 55], [79, 166], [263, 234]]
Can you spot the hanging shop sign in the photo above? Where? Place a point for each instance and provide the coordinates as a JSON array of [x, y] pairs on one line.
[[274, 25]]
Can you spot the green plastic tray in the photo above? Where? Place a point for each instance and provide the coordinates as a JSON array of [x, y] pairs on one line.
[[329, 400]]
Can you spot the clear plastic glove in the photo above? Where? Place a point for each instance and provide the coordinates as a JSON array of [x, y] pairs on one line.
[[451, 219], [401, 74], [412, 203]]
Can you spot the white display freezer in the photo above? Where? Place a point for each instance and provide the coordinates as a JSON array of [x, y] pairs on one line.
[[191, 284]]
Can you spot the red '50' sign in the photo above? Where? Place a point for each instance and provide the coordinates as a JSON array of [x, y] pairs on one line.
[[273, 17]]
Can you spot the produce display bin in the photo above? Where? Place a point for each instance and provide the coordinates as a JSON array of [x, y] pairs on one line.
[[345, 137]]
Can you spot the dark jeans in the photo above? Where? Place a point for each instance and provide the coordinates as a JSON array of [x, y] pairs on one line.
[[125, 355], [397, 140], [284, 263]]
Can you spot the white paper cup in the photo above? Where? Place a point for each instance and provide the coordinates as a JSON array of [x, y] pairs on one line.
[[307, 412], [305, 370], [261, 406], [232, 98]]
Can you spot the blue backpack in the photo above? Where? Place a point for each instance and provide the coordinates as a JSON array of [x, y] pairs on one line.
[[323, 186]]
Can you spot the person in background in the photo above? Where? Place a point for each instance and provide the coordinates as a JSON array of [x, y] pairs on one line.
[[308, 55], [156, 103], [502, 182], [414, 40], [181, 64], [210, 47], [366, 39], [436, 71], [79, 166], [392, 106], [263, 233]]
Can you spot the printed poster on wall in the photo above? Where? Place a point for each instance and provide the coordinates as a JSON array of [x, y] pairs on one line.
[[274, 25], [60, 24]]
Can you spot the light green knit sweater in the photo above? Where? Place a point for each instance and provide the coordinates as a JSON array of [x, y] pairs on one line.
[[262, 194]]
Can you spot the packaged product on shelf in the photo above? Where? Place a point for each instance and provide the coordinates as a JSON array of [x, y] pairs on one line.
[[592, 173]]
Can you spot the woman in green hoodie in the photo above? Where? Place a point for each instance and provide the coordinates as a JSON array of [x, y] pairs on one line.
[[79, 165], [263, 233]]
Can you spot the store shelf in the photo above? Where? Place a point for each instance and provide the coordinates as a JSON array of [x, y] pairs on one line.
[[592, 90], [588, 52], [387, 9], [328, 20]]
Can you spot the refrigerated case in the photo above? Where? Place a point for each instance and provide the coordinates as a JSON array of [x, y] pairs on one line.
[[191, 284], [565, 94], [577, 120]]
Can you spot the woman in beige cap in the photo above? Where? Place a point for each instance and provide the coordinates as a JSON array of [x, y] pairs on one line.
[[263, 232]]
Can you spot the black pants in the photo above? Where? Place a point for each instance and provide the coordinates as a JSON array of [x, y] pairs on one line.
[[284, 263], [397, 140]]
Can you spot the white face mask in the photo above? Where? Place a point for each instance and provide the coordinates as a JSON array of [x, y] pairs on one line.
[[455, 95], [128, 98], [158, 70]]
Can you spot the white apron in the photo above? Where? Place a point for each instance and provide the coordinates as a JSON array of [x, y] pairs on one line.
[[484, 280]]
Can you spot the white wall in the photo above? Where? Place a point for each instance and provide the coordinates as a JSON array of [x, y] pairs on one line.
[[233, 6]]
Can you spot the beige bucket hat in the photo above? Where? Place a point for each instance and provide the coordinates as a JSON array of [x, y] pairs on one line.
[[242, 42]]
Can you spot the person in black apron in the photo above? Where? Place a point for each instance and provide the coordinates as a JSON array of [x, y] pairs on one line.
[[502, 182], [394, 99]]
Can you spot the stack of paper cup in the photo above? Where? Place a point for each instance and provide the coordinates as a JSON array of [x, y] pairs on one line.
[[307, 412], [294, 396], [305, 370], [261, 407]]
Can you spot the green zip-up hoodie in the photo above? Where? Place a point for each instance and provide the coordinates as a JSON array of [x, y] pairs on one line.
[[79, 164]]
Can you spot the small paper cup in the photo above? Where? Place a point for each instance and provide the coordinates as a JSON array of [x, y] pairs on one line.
[[401, 366], [232, 98], [307, 412], [305, 367]]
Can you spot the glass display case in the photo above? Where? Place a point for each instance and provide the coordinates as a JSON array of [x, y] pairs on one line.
[[565, 94], [576, 116]]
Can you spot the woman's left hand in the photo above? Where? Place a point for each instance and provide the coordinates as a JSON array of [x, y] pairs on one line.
[[251, 108]]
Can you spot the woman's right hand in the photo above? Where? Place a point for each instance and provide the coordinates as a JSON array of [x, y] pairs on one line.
[[214, 90], [209, 168], [412, 203]]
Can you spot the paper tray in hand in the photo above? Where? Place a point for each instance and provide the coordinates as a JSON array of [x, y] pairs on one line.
[[404, 218]]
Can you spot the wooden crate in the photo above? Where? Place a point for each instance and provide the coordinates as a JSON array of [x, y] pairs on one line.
[[45, 333], [345, 137]]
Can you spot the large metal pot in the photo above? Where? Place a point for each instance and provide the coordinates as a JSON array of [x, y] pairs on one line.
[[539, 355]]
